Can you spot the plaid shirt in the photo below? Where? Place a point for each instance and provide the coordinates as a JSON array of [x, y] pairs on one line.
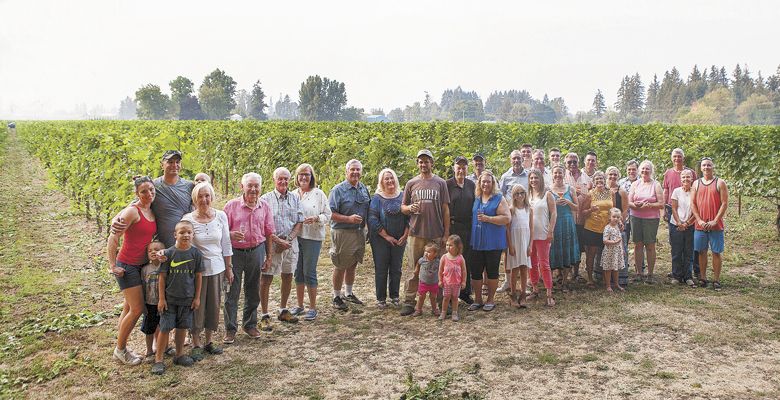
[[286, 210]]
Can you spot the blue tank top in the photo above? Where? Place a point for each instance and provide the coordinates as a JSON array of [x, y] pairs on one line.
[[484, 235]]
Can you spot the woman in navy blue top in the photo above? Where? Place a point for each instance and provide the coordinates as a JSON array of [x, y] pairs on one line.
[[388, 230], [490, 215]]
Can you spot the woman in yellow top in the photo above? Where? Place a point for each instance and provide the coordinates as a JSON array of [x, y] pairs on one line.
[[596, 205]]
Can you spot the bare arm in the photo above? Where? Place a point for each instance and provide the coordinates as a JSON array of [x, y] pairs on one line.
[[724, 201], [502, 216], [130, 216], [445, 211], [553, 215]]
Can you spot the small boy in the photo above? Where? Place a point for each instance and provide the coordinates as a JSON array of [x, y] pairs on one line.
[[149, 275], [427, 271], [179, 283]]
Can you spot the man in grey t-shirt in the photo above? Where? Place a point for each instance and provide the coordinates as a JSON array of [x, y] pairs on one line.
[[427, 200], [173, 199]]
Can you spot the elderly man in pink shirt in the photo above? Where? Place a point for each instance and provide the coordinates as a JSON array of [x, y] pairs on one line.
[[251, 222]]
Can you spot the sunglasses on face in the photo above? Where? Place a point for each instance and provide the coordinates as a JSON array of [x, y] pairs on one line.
[[571, 162]]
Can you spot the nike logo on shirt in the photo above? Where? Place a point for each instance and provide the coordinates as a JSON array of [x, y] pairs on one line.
[[175, 264]]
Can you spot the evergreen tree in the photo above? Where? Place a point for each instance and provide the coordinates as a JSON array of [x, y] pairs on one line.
[[599, 105], [651, 107], [257, 103]]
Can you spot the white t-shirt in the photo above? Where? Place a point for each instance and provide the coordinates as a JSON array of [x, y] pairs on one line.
[[683, 204], [213, 240]]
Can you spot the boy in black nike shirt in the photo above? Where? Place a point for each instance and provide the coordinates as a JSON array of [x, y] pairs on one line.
[[179, 287]]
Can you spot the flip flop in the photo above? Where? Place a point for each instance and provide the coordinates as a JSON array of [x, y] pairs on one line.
[[488, 307]]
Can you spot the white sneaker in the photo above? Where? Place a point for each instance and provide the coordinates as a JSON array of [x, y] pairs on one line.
[[503, 288], [126, 357]]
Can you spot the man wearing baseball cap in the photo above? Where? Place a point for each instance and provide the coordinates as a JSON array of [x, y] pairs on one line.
[[172, 200], [478, 161], [427, 200]]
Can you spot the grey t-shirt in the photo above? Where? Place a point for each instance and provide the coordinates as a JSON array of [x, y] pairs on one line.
[[432, 194], [429, 271], [149, 275], [170, 203], [180, 270]]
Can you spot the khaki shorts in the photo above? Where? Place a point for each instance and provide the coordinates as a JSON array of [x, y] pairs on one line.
[[347, 247], [284, 262]]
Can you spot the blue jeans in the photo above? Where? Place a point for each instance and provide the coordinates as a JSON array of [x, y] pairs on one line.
[[682, 252], [308, 256], [388, 260], [246, 267]]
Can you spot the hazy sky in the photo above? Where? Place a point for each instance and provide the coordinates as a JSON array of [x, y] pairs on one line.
[[57, 54]]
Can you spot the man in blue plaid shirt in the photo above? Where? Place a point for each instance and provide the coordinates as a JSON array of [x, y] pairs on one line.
[[288, 218]]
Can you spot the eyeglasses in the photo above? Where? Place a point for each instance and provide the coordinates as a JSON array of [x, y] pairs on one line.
[[519, 194], [304, 175], [571, 162]]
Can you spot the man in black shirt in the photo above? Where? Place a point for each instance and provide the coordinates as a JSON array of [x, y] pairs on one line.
[[461, 202]]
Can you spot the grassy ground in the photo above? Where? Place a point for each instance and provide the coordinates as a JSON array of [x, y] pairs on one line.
[[58, 313]]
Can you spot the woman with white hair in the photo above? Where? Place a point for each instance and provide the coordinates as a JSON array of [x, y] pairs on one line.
[[212, 238], [645, 201], [388, 229]]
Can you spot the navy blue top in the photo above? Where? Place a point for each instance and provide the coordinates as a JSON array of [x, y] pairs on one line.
[[386, 214], [484, 235]]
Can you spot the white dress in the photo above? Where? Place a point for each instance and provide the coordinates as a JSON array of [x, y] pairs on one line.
[[521, 238]]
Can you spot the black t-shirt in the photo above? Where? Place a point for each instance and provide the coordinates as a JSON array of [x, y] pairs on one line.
[[180, 270], [461, 203]]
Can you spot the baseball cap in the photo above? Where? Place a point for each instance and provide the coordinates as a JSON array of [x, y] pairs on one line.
[[170, 154], [478, 155], [461, 159], [425, 152]]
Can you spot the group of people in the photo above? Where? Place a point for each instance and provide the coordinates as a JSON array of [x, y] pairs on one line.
[[179, 255]]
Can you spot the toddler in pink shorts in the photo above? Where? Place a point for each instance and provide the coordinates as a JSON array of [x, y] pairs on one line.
[[427, 272]]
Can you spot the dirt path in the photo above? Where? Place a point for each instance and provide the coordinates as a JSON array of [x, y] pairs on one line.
[[654, 342]]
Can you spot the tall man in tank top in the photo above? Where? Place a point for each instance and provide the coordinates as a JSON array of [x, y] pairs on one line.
[[709, 202], [427, 200]]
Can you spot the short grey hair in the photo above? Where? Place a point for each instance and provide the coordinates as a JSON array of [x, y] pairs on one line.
[[251, 175], [280, 171], [678, 150], [650, 164], [352, 162], [203, 185]]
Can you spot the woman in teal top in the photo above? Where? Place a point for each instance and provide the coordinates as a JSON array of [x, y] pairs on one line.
[[564, 252], [490, 215]]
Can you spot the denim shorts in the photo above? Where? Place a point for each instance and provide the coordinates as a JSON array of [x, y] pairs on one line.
[[179, 317], [132, 276], [712, 239]]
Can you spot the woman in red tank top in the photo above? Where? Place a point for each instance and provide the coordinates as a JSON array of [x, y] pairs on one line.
[[126, 266]]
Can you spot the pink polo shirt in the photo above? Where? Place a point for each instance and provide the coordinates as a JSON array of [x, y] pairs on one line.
[[259, 221], [672, 181]]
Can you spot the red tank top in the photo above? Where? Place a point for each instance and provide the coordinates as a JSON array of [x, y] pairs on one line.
[[708, 202], [136, 237]]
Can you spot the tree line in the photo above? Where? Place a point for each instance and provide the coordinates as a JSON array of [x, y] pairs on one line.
[[217, 98], [710, 97]]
